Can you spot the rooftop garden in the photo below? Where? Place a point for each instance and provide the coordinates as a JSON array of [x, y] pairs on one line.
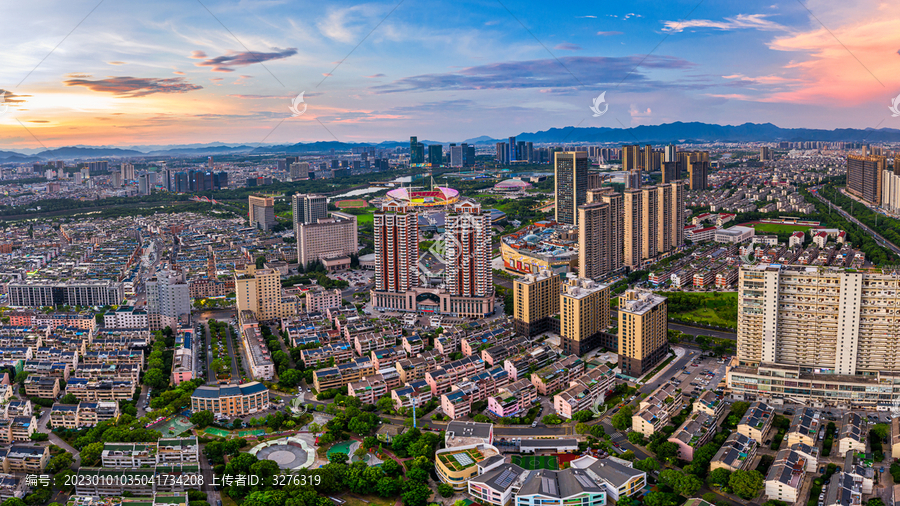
[[450, 462]]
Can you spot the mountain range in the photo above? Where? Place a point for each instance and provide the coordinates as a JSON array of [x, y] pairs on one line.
[[678, 132]]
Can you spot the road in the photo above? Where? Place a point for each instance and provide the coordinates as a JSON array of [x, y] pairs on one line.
[[667, 374], [42, 427], [875, 235], [696, 331], [235, 373]]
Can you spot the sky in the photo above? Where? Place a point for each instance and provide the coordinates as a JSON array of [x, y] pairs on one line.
[[128, 73]]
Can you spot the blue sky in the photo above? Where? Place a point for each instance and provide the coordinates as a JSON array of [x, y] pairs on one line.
[[184, 72]]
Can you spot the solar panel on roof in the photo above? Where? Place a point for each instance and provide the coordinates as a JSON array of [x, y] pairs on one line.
[[506, 478], [585, 481], [464, 459]]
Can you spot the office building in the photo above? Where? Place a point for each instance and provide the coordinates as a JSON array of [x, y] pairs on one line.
[[817, 334], [416, 152], [468, 272], [308, 208], [536, 302], [864, 177], [329, 238], [396, 234], [631, 158], [435, 155], [571, 184], [643, 337], [145, 183], [583, 315], [262, 212], [456, 156], [259, 291]]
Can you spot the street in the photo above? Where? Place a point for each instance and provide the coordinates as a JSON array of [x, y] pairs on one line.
[[696, 331]]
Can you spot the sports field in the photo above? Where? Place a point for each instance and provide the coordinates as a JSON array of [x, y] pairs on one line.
[[775, 228], [532, 462], [351, 203]]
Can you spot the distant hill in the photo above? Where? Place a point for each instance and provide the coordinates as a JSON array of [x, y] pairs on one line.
[[73, 152]]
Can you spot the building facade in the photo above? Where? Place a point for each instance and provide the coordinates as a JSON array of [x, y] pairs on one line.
[[643, 337], [571, 184]]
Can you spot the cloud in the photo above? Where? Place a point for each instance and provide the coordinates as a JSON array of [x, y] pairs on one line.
[[591, 17], [375, 76], [608, 34], [753, 21], [11, 98], [347, 25], [198, 55], [545, 74], [566, 46], [226, 62], [38, 121], [178, 73], [78, 75], [135, 86], [116, 63]]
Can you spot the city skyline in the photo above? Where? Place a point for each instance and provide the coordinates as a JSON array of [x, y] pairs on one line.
[[230, 73]]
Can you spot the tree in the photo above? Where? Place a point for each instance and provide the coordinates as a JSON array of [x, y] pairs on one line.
[[746, 483], [385, 404], [583, 415], [660, 499], [647, 465], [875, 501], [68, 399], [388, 487], [416, 494], [636, 438], [391, 467], [202, 419], [445, 490], [666, 450], [622, 419], [338, 458], [90, 454], [719, 477], [155, 378]]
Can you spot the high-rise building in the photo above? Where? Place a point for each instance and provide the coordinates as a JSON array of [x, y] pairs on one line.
[[817, 335], [583, 314], [650, 159], [168, 296], [631, 157], [299, 170], [633, 209], [115, 179], [308, 208], [675, 218], [670, 155], [864, 177], [890, 190], [643, 331], [259, 291], [765, 153], [696, 164], [650, 221], [328, 238], [671, 171], [616, 232], [416, 152], [536, 301], [435, 155], [595, 225], [262, 211], [502, 153], [396, 237], [468, 270], [456, 156], [571, 184], [127, 171], [512, 150], [633, 179], [144, 183], [209, 163]]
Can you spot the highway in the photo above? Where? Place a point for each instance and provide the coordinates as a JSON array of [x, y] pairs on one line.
[[875, 235]]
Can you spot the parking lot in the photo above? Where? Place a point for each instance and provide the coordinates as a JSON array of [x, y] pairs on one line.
[[700, 374]]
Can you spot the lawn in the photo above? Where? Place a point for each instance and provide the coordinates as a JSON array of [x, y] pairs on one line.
[[775, 228], [711, 308], [371, 500], [529, 462]]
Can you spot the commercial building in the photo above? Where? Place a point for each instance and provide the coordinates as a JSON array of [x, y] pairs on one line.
[[262, 212], [570, 170], [864, 177], [536, 301], [40, 293], [583, 315], [259, 291], [643, 338], [819, 335], [327, 238], [231, 400]]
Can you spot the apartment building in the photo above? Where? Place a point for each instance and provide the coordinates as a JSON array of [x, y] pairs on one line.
[[587, 391], [44, 293], [655, 410], [135, 357], [343, 374], [126, 317], [107, 371], [166, 451], [256, 352], [696, 431], [513, 400], [457, 404], [736, 453], [100, 390], [17, 429], [45, 387], [231, 400], [864, 177], [327, 238], [710, 403], [441, 379], [785, 478], [756, 421], [51, 369], [534, 358], [817, 335], [387, 356], [323, 299], [413, 344], [24, 459], [13, 409], [416, 392], [83, 414], [410, 369], [368, 389], [643, 337], [336, 353], [259, 291], [557, 376], [584, 314], [853, 434]]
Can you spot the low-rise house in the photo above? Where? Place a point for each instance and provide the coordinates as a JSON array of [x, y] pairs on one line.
[[785, 477], [416, 392], [805, 427], [736, 453], [696, 431], [756, 421], [585, 392], [655, 411], [852, 435], [368, 389], [557, 376]]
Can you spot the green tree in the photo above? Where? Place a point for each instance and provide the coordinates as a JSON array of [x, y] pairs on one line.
[[583, 415], [636, 438], [719, 477], [660, 499], [622, 419], [68, 399], [445, 490], [746, 483], [202, 419], [90, 454], [647, 465]]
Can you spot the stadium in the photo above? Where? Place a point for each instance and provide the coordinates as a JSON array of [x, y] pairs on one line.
[[440, 196]]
